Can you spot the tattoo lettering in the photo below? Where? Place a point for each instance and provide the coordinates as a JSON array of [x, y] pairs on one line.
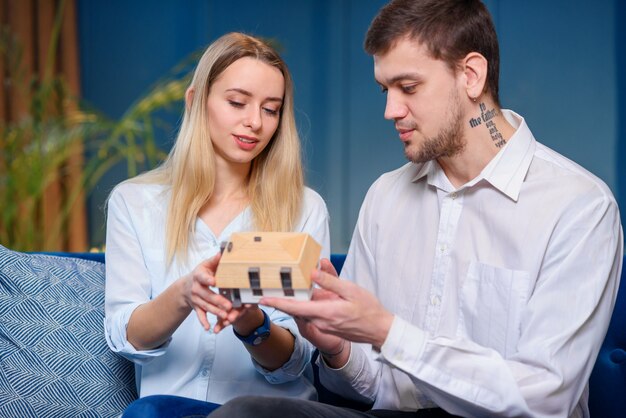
[[474, 122], [486, 117], [496, 136]]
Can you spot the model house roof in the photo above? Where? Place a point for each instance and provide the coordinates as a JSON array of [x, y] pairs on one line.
[[268, 260]]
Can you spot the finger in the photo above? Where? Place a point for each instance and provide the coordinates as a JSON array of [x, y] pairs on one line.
[[217, 300], [202, 318], [207, 306], [203, 294], [328, 267], [209, 269], [304, 310], [331, 283], [321, 294], [233, 315], [212, 263], [238, 313], [220, 325], [219, 313], [203, 278]]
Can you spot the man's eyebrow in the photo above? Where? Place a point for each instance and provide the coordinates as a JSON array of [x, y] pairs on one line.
[[401, 77], [247, 93]]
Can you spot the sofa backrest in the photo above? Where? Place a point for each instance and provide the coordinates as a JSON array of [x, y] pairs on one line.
[[54, 360], [607, 385]]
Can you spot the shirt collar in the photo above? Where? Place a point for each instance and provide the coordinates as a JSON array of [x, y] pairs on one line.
[[506, 171], [434, 176], [424, 169]]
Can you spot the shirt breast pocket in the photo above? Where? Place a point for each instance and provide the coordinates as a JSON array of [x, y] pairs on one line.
[[491, 303]]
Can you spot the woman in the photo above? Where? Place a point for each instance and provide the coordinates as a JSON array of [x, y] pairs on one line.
[[235, 166]]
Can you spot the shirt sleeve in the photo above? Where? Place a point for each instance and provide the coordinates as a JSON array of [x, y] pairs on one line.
[[314, 221], [127, 280], [300, 358], [567, 314], [361, 371]]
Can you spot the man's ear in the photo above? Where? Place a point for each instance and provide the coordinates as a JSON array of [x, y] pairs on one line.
[[474, 67], [188, 98]]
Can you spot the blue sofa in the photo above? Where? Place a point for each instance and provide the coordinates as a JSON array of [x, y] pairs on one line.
[[54, 361]]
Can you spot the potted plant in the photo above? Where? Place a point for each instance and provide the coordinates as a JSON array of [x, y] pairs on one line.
[[59, 137]]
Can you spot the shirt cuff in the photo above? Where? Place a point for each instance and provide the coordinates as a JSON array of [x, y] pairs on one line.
[[297, 363], [354, 379], [115, 335], [404, 345], [345, 369]]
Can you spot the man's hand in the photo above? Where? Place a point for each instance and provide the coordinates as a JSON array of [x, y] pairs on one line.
[[339, 308], [326, 343]]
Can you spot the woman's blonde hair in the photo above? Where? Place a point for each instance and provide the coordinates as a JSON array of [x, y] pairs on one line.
[[275, 185]]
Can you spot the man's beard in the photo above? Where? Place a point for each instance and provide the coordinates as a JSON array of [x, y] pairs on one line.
[[449, 140]]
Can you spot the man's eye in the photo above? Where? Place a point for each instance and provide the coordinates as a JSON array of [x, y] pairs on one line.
[[383, 90], [410, 88]]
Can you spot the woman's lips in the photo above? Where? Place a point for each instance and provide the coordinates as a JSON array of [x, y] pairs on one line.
[[245, 142]]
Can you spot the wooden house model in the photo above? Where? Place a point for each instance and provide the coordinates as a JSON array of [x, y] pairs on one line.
[[257, 264]]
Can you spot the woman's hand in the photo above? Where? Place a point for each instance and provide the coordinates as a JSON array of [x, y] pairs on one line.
[[202, 299]]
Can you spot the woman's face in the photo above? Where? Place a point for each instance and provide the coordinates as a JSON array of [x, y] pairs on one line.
[[244, 109]]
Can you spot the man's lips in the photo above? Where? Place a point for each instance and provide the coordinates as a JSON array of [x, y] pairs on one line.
[[405, 134]]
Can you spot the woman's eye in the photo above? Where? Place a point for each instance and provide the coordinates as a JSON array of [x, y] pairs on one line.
[[235, 104], [271, 112]]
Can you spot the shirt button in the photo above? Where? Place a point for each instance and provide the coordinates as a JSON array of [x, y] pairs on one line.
[[435, 300], [204, 373], [443, 248], [453, 195]]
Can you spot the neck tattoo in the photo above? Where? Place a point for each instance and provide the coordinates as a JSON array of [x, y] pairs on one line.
[[486, 117]]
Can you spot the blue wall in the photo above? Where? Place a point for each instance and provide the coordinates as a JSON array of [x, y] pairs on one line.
[[620, 53], [560, 66], [559, 70]]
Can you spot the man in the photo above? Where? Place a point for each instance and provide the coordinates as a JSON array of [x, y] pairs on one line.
[[482, 275]]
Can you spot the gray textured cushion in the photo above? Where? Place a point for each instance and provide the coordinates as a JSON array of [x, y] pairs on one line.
[[54, 361]]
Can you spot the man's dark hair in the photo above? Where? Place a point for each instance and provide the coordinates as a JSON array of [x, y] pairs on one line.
[[450, 29]]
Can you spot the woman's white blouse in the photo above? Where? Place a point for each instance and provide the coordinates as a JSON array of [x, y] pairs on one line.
[[194, 363]]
